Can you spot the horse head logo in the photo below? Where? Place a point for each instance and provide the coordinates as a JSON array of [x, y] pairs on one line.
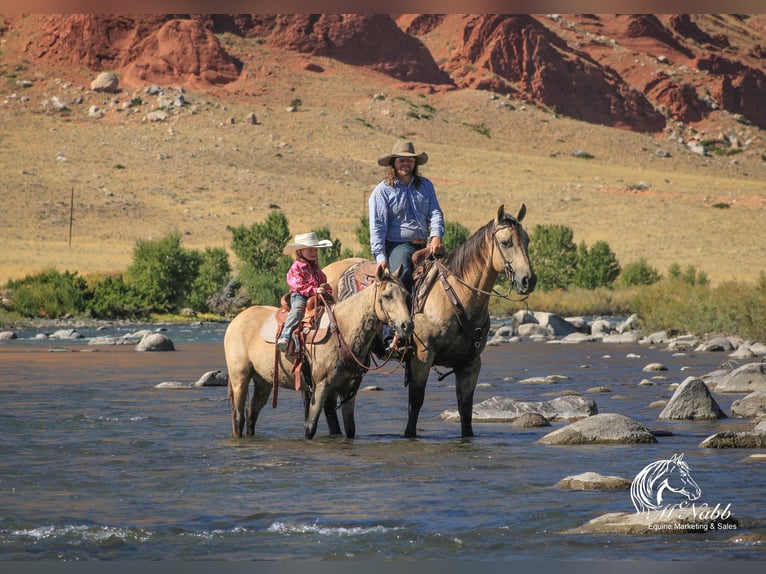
[[663, 484]]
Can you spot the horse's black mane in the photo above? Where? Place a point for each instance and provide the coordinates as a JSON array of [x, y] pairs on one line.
[[474, 249]]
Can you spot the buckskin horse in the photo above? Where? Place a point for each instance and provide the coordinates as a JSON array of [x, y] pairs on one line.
[[451, 308], [336, 363]]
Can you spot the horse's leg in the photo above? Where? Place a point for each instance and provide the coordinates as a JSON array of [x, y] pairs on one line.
[[347, 410], [315, 407], [331, 415], [261, 394], [238, 382], [465, 384], [417, 376]]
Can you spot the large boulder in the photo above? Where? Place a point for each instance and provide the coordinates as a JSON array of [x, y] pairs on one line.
[[105, 82], [212, 379], [692, 400], [155, 342], [755, 438], [593, 481], [750, 406], [745, 379], [505, 409], [606, 428], [677, 521]]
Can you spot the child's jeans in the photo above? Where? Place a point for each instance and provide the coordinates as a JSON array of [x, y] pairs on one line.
[[297, 309]]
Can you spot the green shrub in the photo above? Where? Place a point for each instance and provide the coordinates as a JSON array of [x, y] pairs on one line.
[[115, 299], [259, 247], [49, 294], [638, 273]]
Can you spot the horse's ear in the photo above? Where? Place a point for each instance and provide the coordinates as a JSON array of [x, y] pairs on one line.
[[500, 213], [398, 272], [380, 273], [522, 212]]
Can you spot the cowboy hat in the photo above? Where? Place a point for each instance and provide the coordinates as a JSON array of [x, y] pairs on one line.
[[403, 149], [304, 240]]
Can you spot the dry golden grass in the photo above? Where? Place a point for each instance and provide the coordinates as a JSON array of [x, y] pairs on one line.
[[198, 172]]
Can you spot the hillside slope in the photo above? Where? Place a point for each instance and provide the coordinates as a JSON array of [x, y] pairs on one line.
[[321, 122]]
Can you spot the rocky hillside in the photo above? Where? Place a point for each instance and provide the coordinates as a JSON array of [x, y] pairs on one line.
[[638, 72]]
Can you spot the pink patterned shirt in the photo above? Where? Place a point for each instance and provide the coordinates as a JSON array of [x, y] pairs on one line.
[[305, 278]]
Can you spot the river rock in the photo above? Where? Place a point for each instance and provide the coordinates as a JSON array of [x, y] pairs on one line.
[[212, 379], [530, 420], [757, 349], [593, 481], [692, 400], [7, 335], [155, 342], [755, 438], [505, 409], [750, 406], [745, 379], [559, 326], [621, 338], [606, 428], [716, 344], [66, 334], [677, 521], [655, 367]]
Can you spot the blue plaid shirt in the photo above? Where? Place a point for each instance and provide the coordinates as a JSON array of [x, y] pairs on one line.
[[402, 213]]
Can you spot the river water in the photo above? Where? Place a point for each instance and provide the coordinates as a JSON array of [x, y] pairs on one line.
[[97, 463]]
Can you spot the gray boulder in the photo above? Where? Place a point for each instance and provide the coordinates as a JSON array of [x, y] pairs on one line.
[[593, 481], [745, 379], [530, 420], [558, 325], [626, 338], [155, 342], [692, 400], [212, 379], [66, 334], [105, 82], [7, 335], [504, 409], [750, 406], [677, 521], [755, 438], [716, 344], [606, 428]]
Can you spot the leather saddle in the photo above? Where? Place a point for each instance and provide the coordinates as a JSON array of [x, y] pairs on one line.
[[313, 328]]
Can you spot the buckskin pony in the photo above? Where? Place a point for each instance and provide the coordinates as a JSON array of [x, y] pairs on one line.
[[451, 308], [336, 363]]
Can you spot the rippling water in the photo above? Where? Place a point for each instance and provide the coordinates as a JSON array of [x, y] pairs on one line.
[[95, 462]]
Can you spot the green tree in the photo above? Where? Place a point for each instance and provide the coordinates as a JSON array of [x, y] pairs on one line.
[[638, 273], [554, 255], [259, 247], [596, 267], [362, 234], [214, 273], [162, 272], [262, 266]]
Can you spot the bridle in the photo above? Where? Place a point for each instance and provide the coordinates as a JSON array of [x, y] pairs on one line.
[[508, 269]]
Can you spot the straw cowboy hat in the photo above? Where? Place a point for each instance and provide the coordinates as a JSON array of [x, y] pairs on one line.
[[304, 240], [403, 149]]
